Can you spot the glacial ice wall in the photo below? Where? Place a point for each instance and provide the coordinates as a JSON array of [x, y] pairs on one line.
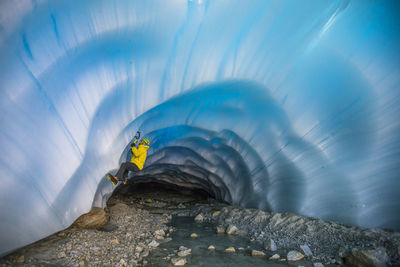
[[280, 105]]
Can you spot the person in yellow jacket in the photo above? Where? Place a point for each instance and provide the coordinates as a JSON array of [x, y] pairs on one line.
[[137, 161]]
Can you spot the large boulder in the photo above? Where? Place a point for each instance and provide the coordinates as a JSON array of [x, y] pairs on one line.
[[94, 219], [368, 258]]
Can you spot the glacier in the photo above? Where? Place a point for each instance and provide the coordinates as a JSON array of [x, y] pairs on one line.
[[285, 106]]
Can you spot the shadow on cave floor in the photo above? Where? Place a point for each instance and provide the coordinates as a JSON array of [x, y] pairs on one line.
[[157, 197]]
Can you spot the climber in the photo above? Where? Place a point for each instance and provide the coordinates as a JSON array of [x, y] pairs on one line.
[[136, 164]]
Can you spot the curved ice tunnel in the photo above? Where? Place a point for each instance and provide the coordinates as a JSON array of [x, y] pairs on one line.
[[277, 105]]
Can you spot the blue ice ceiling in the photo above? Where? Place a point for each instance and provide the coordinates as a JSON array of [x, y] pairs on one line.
[[279, 105]]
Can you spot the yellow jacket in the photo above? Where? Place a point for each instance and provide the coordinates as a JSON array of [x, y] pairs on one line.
[[139, 155]]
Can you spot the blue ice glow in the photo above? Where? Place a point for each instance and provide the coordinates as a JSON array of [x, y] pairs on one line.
[[279, 105]]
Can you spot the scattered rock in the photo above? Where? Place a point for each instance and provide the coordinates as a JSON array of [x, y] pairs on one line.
[[61, 234], [178, 261], [216, 213], [232, 230], [153, 244], [185, 252], [220, 230], [145, 252], [269, 244], [94, 219], [159, 232], [294, 255], [257, 253], [230, 249], [21, 259], [306, 249], [194, 235], [275, 257], [123, 241], [374, 257], [199, 218], [181, 206], [115, 241]]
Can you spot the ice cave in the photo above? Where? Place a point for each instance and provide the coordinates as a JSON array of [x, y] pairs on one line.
[[286, 106]]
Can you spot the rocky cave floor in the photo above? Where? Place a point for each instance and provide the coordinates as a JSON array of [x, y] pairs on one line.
[[148, 225]]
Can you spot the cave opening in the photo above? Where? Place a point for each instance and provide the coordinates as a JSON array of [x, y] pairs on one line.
[[165, 191]]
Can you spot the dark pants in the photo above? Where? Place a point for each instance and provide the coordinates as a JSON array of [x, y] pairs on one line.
[[125, 168]]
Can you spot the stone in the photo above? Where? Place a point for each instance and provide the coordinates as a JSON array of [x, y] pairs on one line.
[[269, 244], [145, 253], [216, 213], [115, 241], [184, 253], [21, 259], [94, 219], [182, 248], [306, 249], [178, 261], [139, 249], [61, 234], [232, 230], [153, 244], [257, 253], [220, 230], [82, 264], [199, 218], [318, 264], [122, 262], [61, 255], [275, 257], [373, 257], [294, 255], [194, 235], [211, 247], [230, 249], [159, 233]]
